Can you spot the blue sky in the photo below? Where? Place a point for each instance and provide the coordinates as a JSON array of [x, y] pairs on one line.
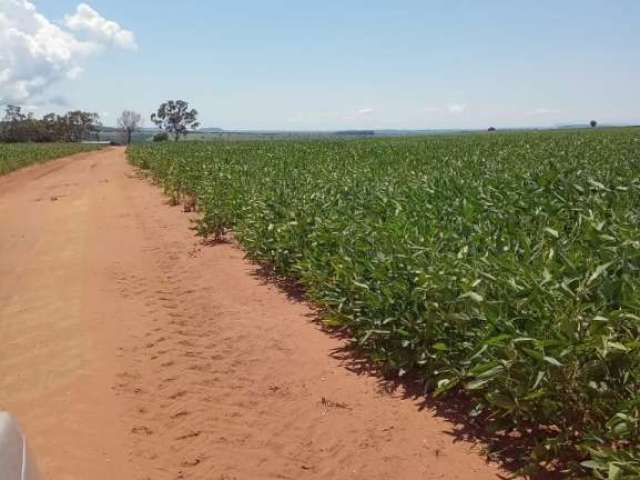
[[300, 65]]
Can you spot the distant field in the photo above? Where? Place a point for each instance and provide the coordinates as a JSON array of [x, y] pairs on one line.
[[504, 266], [18, 155]]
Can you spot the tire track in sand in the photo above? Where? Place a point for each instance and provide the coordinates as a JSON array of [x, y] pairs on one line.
[[245, 385]]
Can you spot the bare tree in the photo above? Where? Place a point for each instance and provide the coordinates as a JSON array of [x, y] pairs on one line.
[[130, 122], [174, 117]]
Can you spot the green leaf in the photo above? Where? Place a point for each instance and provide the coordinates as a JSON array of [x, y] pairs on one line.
[[598, 271], [592, 465], [361, 285], [614, 472], [552, 361], [539, 379], [617, 346], [476, 384], [473, 296], [552, 232]]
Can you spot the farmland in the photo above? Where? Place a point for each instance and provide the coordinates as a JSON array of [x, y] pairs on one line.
[[503, 268], [18, 155]]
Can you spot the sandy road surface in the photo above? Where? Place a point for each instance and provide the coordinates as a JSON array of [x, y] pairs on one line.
[[131, 351]]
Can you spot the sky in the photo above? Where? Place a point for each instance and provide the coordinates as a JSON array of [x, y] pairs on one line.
[[324, 65]]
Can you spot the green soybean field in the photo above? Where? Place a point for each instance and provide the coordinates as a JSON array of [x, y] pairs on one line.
[[17, 155], [501, 268]]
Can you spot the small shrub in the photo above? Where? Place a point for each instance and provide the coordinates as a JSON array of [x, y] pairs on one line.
[[161, 137]]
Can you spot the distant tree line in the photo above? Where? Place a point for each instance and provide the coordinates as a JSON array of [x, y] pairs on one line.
[[73, 126], [355, 133]]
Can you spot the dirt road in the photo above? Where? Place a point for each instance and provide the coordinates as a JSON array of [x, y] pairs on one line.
[[129, 350]]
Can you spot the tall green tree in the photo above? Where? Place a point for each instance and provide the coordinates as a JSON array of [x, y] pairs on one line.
[[81, 125], [12, 124], [175, 118]]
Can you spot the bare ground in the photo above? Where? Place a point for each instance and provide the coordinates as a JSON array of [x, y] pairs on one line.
[[130, 350]]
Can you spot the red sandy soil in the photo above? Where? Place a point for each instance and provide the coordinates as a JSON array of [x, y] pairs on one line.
[[131, 350]]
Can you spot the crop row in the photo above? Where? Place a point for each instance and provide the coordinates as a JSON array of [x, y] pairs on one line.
[[501, 267], [18, 155]]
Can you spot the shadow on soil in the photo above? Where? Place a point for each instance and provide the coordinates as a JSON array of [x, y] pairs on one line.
[[291, 288], [508, 449]]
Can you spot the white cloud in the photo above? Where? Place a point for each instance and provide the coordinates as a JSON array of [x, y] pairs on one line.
[[35, 53], [456, 108], [359, 114], [74, 72], [86, 19]]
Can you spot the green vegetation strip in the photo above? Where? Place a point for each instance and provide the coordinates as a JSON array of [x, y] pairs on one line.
[[503, 266], [17, 155]]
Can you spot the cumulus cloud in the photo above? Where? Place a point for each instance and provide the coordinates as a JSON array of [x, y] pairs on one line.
[[456, 108], [35, 53], [87, 20]]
